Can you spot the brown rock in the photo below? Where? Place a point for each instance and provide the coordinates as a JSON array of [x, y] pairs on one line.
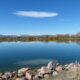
[[59, 68], [23, 70], [44, 70], [1, 75], [36, 77]]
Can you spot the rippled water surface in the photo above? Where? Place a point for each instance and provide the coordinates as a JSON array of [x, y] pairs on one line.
[[14, 55]]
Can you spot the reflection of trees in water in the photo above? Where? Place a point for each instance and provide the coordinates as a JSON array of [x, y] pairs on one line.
[[77, 42]]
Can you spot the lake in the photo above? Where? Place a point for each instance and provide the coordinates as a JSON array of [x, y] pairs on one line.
[[14, 55]]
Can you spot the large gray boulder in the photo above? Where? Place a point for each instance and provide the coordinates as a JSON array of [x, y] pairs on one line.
[[52, 65]]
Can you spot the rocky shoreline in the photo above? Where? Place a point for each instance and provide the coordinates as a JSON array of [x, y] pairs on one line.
[[53, 71]]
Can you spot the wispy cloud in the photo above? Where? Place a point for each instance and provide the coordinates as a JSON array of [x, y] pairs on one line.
[[36, 14]]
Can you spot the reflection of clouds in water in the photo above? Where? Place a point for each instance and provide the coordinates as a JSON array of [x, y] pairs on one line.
[[34, 62]]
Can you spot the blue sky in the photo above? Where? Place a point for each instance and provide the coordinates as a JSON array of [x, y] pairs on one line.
[[39, 16]]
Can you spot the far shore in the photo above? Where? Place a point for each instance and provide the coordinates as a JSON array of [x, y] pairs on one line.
[[46, 38]]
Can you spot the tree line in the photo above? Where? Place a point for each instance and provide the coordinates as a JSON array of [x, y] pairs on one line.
[[28, 38]]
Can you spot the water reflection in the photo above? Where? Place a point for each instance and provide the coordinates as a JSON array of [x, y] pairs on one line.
[[34, 62]]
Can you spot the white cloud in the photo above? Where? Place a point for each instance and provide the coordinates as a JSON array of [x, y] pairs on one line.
[[36, 14]]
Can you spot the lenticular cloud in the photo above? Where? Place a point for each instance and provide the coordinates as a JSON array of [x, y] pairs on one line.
[[36, 14]]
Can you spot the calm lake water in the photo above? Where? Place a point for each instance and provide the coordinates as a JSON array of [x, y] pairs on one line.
[[14, 55]]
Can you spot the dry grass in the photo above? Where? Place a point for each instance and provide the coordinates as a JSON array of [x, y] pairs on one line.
[[66, 75]]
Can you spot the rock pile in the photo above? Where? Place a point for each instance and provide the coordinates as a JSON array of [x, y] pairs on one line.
[[52, 70]]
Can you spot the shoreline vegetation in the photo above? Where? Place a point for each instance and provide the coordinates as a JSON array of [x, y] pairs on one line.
[[53, 71], [44, 38]]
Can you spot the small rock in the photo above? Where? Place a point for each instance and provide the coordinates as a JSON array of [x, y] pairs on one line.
[[20, 74], [55, 73], [38, 70], [1, 75], [14, 73], [23, 70], [20, 78], [46, 76], [44, 70], [8, 74], [0, 78], [29, 76], [59, 68], [4, 77], [36, 77], [40, 75]]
